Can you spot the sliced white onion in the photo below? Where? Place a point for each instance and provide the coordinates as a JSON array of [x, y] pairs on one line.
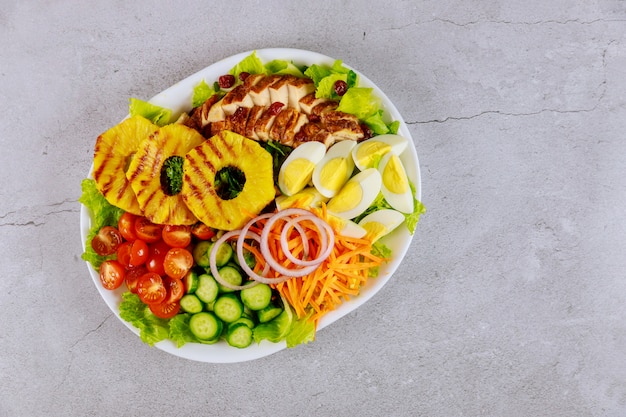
[[327, 237]]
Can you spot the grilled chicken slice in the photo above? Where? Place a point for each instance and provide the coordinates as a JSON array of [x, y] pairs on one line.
[[297, 89], [260, 93], [313, 131], [253, 117], [235, 98], [309, 101], [342, 126], [279, 90], [282, 120], [264, 124]]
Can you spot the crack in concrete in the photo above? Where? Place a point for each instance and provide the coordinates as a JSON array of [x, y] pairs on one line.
[[529, 23], [37, 219]]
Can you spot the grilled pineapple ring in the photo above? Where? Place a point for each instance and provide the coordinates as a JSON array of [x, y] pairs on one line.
[[145, 172], [227, 149], [112, 154]]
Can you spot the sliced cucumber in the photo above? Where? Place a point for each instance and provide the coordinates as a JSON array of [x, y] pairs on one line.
[[268, 313], [231, 275], [248, 321], [257, 297], [190, 281], [191, 304], [201, 253], [228, 308], [205, 326], [223, 255], [207, 288], [239, 335]]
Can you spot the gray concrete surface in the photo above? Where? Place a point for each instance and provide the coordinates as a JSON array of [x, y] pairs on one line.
[[511, 301]]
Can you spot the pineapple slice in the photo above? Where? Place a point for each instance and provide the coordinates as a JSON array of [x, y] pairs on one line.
[[153, 177], [227, 151], [113, 152]]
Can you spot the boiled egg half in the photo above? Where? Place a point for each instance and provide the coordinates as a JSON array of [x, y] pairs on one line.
[[367, 154], [380, 223], [295, 173], [308, 197], [335, 168], [356, 195], [395, 184]]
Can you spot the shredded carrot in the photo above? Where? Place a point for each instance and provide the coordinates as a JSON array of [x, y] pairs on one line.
[[335, 281]]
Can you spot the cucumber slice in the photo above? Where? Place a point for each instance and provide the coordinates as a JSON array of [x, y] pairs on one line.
[[269, 313], [257, 297], [201, 253], [231, 275], [207, 288], [245, 320], [239, 336], [190, 281], [205, 326], [223, 255], [228, 308], [191, 304]]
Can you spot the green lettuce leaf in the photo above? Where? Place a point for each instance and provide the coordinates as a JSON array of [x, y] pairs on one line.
[[381, 250], [376, 124], [326, 86], [179, 330], [394, 126], [360, 102], [158, 115], [151, 328], [302, 332], [250, 64], [102, 214], [317, 73], [201, 93], [282, 67], [276, 329]]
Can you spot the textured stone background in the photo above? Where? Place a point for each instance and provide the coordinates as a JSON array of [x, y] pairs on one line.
[[511, 299]]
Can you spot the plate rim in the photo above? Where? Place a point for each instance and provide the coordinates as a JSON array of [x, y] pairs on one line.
[[226, 354]]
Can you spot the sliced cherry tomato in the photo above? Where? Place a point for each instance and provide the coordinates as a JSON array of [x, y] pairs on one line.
[[155, 260], [202, 231], [165, 310], [123, 254], [139, 252], [147, 231], [133, 275], [175, 289], [177, 262], [150, 288], [112, 274], [126, 225], [177, 236], [106, 241]]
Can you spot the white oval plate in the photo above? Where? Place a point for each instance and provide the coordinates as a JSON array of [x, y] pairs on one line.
[[178, 99]]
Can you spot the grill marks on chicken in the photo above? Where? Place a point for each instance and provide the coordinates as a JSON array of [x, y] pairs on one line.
[[250, 110]]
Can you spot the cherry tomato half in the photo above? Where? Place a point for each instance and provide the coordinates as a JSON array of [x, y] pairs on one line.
[[123, 254], [106, 241], [147, 231], [175, 289], [202, 231], [165, 310], [155, 260], [138, 253], [133, 275], [150, 288], [177, 236], [126, 226], [177, 262], [112, 274]]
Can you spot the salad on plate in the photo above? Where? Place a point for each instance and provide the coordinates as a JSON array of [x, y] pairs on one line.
[[250, 205]]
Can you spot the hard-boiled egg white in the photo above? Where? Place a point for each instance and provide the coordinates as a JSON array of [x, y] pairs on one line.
[[356, 195], [380, 223], [395, 184], [308, 197], [335, 168], [367, 154], [295, 173]]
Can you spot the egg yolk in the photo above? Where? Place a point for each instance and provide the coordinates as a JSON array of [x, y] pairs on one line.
[[375, 230], [369, 153], [347, 199], [334, 173], [302, 199], [298, 174], [393, 176]]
